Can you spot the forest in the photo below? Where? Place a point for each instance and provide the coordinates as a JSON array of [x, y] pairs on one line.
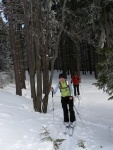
[[41, 36]]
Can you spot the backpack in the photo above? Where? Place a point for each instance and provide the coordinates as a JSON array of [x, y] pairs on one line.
[[64, 89], [67, 85]]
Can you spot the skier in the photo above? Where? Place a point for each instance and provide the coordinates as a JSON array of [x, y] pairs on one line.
[[66, 100], [76, 80]]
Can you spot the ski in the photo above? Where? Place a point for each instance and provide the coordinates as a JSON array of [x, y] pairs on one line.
[[69, 128], [66, 130], [71, 131], [79, 98]]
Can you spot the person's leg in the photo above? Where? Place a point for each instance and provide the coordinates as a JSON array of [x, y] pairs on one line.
[[78, 89], [71, 110], [65, 109], [74, 86]]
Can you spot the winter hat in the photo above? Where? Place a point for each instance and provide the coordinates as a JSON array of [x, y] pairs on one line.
[[61, 75], [75, 72]]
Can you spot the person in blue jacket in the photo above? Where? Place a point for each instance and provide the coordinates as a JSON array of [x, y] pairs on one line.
[[66, 100]]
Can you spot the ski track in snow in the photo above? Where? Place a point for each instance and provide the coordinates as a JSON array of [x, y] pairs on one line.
[[92, 120], [86, 129]]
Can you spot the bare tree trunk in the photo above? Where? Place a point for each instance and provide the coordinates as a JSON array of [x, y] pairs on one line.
[[89, 59], [63, 53], [20, 55], [39, 50], [29, 55], [49, 80], [14, 51], [78, 59], [106, 29], [46, 83], [95, 64], [57, 43], [46, 62]]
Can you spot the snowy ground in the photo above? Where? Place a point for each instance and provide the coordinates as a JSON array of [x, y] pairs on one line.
[[20, 126]]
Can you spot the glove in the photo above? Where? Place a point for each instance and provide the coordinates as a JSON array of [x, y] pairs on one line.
[[52, 89], [71, 97]]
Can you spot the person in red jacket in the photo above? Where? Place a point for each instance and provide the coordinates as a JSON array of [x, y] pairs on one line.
[[76, 80]]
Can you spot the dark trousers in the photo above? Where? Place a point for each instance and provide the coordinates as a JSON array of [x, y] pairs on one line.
[[76, 89], [67, 105]]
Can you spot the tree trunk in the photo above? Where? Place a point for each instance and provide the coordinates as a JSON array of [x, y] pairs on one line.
[[14, 51], [39, 51], [29, 54], [78, 59], [106, 29], [20, 55]]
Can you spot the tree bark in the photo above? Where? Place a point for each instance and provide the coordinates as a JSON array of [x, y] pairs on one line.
[[29, 55], [14, 50]]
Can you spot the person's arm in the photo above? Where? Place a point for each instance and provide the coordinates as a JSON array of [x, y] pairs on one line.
[[72, 79], [71, 89], [56, 88], [78, 79]]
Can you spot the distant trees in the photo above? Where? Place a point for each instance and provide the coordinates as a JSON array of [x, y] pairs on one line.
[[105, 49], [63, 35], [35, 33], [6, 72], [5, 60], [105, 67]]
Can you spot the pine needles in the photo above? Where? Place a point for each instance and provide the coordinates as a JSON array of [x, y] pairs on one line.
[[46, 137]]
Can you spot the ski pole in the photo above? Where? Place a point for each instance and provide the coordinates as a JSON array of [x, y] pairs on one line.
[[79, 115], [52, 100], [81, 88], [53, 103]]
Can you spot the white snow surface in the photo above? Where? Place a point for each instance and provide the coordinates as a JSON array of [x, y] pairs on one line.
[[20, 126]]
